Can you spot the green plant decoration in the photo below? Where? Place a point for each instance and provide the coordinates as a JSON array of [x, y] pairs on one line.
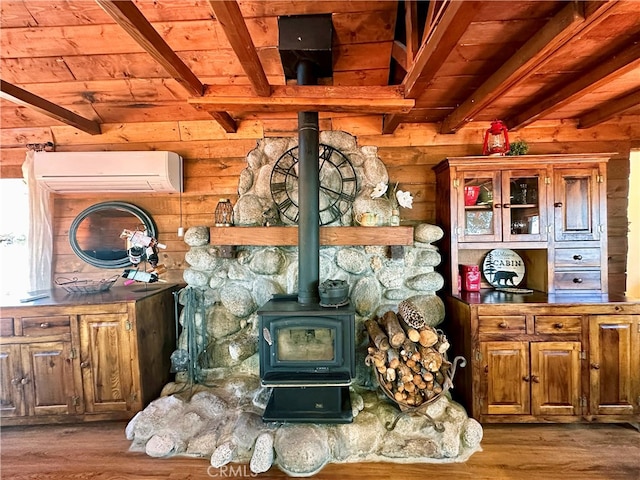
[[519, 147]]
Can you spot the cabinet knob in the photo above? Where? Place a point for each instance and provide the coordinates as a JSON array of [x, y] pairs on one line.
[[535, 379], [525, 378], [45, 325], [577, 280], [559, 325], [24, 381], [595, 366], [506, 205], [84, 365], [577, 257], [558, 204], [16, 381], [486, 369], [497, 205], [503, 325]]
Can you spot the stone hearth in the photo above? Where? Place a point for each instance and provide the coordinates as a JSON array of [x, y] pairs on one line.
[[213, 409]]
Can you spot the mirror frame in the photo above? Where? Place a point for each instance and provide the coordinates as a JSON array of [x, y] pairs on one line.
[[143, 216]]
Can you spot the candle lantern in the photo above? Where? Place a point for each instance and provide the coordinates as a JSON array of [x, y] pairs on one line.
[[496, 139], [224, 213]]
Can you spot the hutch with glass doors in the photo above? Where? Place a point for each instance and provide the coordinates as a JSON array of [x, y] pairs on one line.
[[567, 351]]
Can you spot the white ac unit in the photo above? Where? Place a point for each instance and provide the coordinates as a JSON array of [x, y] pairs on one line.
[[69, 172]]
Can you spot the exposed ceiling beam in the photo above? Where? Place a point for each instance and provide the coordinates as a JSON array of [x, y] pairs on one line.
[[230, 17], [411, 29], [522, 65], [602, 72], [19, 96], [609, 110], [432, 54], [127, 15], [288, 98]]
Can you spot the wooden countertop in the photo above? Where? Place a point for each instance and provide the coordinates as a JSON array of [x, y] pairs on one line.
[[116, 294], [491, 296]]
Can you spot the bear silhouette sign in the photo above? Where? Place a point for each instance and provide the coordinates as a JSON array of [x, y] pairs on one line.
[[503, 268]]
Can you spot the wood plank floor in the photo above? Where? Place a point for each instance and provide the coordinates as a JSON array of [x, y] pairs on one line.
[[540, 452]]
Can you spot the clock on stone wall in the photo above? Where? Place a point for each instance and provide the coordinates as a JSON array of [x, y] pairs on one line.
[[338, 184]]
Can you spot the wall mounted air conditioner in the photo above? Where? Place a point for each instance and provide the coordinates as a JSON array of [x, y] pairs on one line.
[[69, 172]]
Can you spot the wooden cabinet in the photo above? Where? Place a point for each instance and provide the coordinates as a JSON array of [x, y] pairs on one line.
[[68, 359], [614, 365], [542, 361], [550, 209]]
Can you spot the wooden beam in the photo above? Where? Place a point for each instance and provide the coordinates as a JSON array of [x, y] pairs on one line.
[[522, 65], [19, 96], [230, 18], [288, 236], [411, 28], [127, 15], [609, 110], [433, 54], [592, 77], [399, 54], [294, 98], [226, 122]]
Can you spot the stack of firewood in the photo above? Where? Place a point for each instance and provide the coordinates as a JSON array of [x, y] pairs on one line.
[[408, 355]]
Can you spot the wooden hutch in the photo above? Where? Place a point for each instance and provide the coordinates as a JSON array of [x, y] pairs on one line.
[[568, 351]]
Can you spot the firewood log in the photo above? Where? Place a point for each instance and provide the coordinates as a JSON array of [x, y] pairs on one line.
[[393, 358], [428, 337], [408, 348], [413, 334], [390, 375], [377, 336], [395, 333]]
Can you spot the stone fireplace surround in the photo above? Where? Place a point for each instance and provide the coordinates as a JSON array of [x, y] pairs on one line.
[[217, 414]]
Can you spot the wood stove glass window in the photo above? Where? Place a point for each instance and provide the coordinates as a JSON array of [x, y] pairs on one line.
[[303, 344]]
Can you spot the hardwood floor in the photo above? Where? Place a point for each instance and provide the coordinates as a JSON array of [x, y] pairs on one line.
[[540, 452]]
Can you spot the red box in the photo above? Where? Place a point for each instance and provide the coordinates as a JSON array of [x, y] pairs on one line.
[[470, 275]]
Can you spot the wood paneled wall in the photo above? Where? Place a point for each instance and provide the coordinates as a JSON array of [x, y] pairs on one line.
[[214, 160]]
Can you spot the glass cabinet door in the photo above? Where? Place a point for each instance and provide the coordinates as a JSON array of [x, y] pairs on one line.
[[478, 220], [523, 202]]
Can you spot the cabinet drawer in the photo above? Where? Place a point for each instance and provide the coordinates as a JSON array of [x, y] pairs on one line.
[[6, 327], [502, 324], [45, 326], [558, 324], [577, 280], [577, 257]]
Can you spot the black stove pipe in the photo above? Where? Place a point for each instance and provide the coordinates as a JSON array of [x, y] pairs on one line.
[[308, 195]]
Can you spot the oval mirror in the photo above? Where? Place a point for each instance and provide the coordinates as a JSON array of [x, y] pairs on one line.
[[95, 233]]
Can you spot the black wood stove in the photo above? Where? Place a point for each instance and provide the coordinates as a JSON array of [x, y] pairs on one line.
[[307, 352]]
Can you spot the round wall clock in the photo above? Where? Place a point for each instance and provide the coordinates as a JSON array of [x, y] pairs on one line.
[[338, 184]]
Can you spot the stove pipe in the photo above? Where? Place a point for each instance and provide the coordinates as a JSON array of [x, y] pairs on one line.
[[308, 195]]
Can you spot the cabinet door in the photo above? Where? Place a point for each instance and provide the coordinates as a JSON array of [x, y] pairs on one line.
[[576, 204], [505, 378], [12, 391], [524, 204], [478, 220], [614, 364], [106, 362], [48, 377], [555, 378]]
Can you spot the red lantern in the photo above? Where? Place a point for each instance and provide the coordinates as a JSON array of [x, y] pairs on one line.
[[496, 139]]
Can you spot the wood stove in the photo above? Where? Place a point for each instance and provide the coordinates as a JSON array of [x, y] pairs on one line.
[[307, 352], [307, 355]]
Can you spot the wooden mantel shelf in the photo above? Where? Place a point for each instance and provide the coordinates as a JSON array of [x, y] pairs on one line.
[[287, 236]]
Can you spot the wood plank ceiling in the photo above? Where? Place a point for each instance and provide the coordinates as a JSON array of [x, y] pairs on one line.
[[85, 63]]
